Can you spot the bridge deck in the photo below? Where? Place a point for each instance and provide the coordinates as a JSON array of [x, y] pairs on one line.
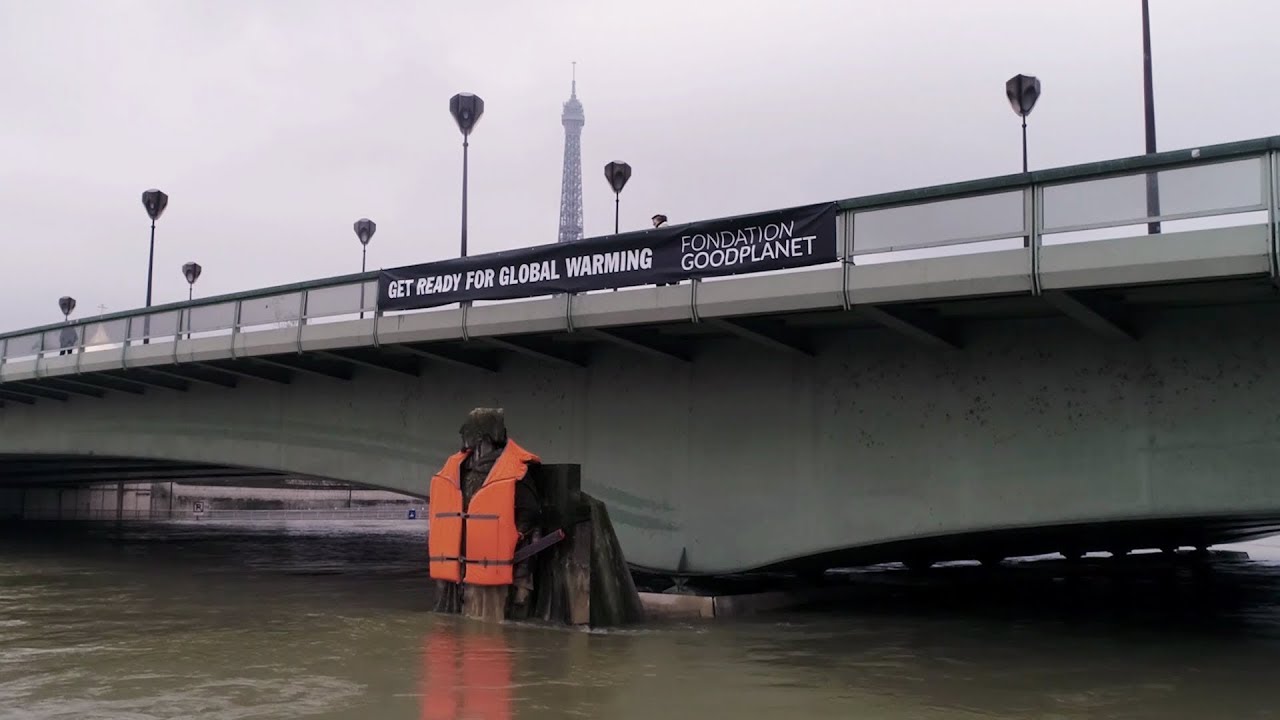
[[913, 296]]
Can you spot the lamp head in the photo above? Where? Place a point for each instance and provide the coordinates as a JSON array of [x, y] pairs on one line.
[[617, 173], [191, 271], [154, 202], [466, 110], [365, 228], [1022, 91]]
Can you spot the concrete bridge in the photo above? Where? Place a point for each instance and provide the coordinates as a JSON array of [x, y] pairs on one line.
[[1006, 366]]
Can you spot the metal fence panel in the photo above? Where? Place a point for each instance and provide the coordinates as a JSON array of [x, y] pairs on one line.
[[943, 222], [1195, 191]]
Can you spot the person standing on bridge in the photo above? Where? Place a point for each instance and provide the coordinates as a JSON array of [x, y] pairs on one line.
[[659, 221]]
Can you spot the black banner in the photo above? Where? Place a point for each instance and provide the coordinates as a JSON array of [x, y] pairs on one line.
[[775, 240]]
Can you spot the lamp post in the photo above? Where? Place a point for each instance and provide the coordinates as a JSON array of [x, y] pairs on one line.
[[466, 109], [67, 338], [191, 271], [1023, 91], [1149, 113], [617, 173], [154, 201], [365, 228]]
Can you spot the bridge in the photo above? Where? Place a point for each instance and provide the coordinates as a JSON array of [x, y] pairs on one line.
[[1006, 366]]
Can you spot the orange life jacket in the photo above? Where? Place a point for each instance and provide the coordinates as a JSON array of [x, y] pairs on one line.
[[488, 523]]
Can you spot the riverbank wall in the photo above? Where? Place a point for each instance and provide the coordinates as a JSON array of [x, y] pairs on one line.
[[140, 501]]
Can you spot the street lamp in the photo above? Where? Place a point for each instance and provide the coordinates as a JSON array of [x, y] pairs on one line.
[[617, 173], [365, 228], [191, 271], [154, 202], [1023, 91], [67, 338], [466, 109]]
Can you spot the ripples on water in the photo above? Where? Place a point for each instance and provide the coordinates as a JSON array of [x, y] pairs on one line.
[[302, 620]]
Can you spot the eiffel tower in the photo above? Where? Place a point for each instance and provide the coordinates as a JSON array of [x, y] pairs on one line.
[[571, 179]]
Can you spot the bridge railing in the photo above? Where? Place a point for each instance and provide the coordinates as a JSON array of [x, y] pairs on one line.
[[1067, 210], [930, 224], [249, 312], [1203, 190], [1216, 185]]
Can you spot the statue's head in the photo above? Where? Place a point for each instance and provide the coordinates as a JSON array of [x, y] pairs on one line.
[[484, 427]]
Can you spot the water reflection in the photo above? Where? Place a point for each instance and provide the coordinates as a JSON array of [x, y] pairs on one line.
[[466, 673]]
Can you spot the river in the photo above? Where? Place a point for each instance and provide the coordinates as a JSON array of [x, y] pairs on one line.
[[310, 620]]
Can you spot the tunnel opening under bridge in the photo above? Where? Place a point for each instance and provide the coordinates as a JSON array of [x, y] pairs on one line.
[[109, 488]]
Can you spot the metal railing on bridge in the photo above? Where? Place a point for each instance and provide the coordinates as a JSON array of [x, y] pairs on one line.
[[1216, 186]]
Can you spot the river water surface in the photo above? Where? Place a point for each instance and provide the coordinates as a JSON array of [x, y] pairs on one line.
[[305, 620]]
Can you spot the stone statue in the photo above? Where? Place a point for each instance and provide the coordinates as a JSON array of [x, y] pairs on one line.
[[484, 437]]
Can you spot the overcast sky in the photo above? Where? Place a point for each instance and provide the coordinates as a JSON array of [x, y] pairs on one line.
[[274, 124]]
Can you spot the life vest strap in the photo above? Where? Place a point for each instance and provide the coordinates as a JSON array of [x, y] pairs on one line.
[[468, 516], [486, 562], [442, 558]]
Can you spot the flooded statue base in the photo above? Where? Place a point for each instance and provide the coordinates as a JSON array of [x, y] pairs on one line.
[[567, 566]]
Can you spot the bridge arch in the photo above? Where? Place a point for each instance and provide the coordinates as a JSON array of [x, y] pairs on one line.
[[739, 458]]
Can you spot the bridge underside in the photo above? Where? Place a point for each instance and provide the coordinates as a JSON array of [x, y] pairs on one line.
[[1007, 424], [78, 470], [1072, 539]]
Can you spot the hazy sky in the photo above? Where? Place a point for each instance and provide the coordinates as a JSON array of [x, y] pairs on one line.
[[274, 124]]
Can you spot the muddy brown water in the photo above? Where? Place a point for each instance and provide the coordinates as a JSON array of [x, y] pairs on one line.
[[316, 620]]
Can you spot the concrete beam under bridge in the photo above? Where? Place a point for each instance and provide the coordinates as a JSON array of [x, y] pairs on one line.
[[1096, 320]]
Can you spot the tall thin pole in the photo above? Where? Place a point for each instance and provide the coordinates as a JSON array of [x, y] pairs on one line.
[[1148, 98], [1026, 239], [151, 257], [151, 261], [1024, 143], [364, 254], [616, 208], [465, 145]]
